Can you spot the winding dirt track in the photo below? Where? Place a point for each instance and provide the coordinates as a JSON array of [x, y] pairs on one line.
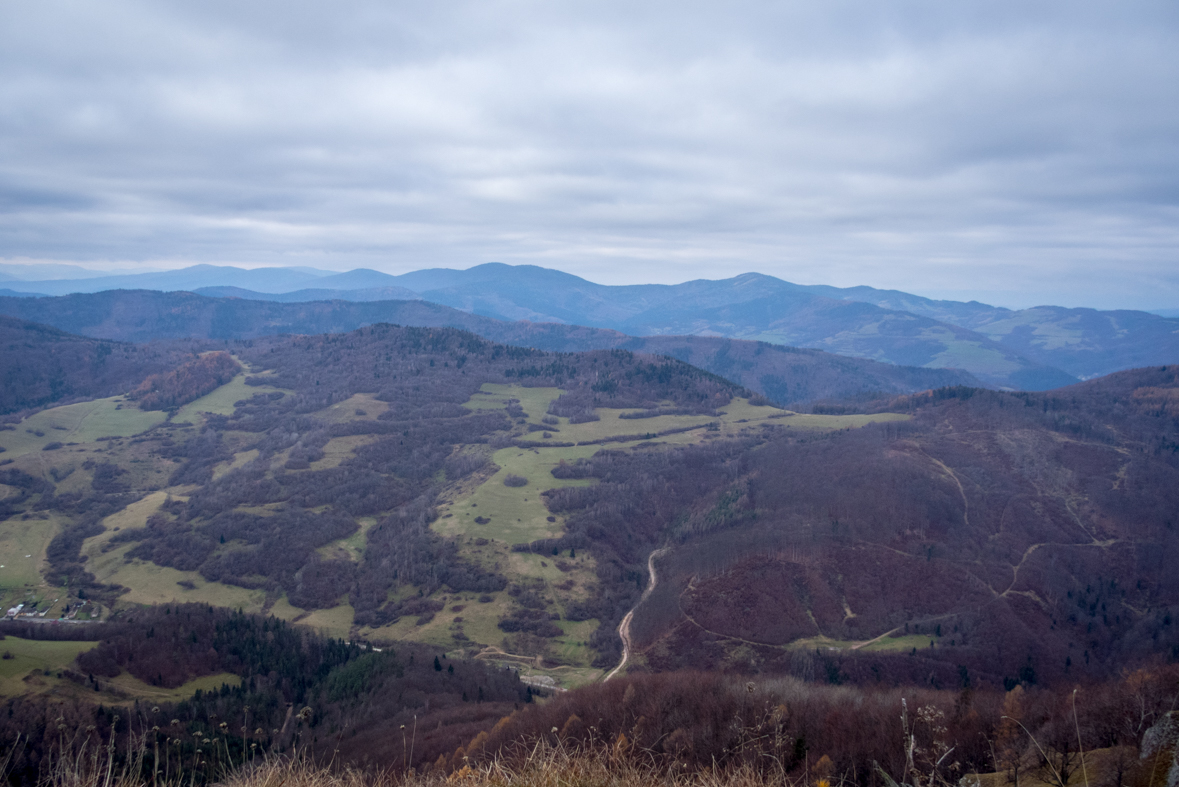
[[624, 626]]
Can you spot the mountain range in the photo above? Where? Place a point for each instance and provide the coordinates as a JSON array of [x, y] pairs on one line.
[[788, 375], [1033, 349], [466, 521]]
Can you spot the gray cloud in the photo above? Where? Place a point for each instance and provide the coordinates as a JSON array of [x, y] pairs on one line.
[[1017, 154]]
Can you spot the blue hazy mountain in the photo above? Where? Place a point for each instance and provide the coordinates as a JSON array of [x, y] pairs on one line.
[[1038, 348], [788, 375]]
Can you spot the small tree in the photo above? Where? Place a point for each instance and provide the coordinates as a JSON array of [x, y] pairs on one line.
[[1010, 745]]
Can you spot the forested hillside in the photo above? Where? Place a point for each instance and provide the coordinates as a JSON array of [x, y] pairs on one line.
[[313, 481], [506, 507], [787, 375], [40, 365], [1011, 537], [275, 688]]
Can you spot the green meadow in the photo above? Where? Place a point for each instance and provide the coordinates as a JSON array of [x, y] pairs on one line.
[[221, 400], [84, 422]]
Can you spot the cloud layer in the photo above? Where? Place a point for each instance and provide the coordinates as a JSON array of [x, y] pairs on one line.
[[980, 149]]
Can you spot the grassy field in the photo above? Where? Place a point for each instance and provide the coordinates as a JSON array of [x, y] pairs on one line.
[[240, 459], [345, 411], [84, 422], [34, 666], [148, 583], [535, 401], [333, 622], [133, 516], [337, 449], [518, 515], [352, 547], [139, 690], [220, 401], [902, 644], [962, 354], [22, 549], [28, 655], [515, 514]]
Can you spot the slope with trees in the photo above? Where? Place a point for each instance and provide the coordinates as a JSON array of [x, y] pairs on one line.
[[787, 375]]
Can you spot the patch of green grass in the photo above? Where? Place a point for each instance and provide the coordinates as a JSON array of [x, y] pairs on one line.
[[22, 549], [534, 401], [221, 401], [544, 567], [338, 449], [833, 422], [333, 622], [148, 583], [565, 677], [134, 515], [479, 620], [571, 647], [352, 547], [517, 514], [436, 632], [284, 610], [28, 655], [84, 422], [240, 459], [611, 425], [345, 411], [901, 644], [139, 690]]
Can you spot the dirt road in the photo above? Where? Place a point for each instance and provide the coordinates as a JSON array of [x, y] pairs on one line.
[[624, 626]]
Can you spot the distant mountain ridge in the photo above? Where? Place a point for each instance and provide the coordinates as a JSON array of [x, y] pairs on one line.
[[1038, 348], [788, 375]]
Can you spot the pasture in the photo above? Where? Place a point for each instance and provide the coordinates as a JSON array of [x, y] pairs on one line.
[[22, 549], [221, 400], [28, 655], [84, 422]]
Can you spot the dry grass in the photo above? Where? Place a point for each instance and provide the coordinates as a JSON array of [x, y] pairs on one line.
[[543, 766], [96, 763]]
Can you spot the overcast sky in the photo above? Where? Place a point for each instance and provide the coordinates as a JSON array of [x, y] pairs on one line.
[[1013, 152]]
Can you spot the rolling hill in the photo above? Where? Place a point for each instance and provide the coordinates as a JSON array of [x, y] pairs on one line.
[[1036, 348], [425, 483], [42, 366], [789, 376], [1013, 348], [1011, 537]]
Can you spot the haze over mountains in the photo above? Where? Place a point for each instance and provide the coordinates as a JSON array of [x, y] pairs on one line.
[[556, 501], [787, 375], [1031, 349]]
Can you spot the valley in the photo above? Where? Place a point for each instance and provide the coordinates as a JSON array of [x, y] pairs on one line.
[[505, 525], [483, 518]]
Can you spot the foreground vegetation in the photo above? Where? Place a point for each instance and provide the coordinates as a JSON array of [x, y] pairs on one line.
[[726, 732]]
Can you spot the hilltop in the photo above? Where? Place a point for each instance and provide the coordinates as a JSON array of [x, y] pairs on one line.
[[789, 376], [1033, 348]]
